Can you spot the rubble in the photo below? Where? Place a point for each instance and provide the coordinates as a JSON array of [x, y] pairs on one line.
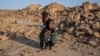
[[93, 43], [78, 30], [82, 22]]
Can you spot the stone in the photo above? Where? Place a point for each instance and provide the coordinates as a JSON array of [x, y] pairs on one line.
[[53, 7], [91, 16], [95, 6], [86, 28], [70, 17], [33, 7], [70, 29], [91, 23], [96, 26], [93, 43], [96, 34], [77, 17], [97, 14], [87, 6], [67, 36], [3, 38], [79, 34]]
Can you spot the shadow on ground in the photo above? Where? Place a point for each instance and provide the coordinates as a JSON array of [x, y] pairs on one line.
[[24, 40]]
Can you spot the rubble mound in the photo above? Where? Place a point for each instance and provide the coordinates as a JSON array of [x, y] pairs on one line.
[[83, 22], [33, 7], [54, 7], [78, 30]]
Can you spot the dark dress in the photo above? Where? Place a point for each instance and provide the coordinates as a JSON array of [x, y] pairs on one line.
[[51, 37]]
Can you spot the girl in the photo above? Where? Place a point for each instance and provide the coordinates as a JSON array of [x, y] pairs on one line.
[[48, 35]]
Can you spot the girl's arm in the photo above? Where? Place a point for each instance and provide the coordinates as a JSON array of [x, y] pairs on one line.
[[54, 32]]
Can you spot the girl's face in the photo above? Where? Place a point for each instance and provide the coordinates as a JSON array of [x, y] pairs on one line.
[[51, 25]]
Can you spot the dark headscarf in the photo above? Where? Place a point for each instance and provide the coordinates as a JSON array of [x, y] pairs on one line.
[[48, 22]]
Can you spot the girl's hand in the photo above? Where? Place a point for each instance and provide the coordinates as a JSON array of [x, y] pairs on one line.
[[47, 32]]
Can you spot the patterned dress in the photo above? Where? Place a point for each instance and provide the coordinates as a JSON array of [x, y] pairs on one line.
[[51, 37]]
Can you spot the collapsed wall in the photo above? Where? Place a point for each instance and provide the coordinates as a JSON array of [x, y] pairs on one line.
[[82, 22]]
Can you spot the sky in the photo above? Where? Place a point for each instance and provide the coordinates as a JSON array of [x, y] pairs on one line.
[[19, 4]]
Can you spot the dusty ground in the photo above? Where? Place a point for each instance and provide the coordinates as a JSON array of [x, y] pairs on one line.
[[23, 46]]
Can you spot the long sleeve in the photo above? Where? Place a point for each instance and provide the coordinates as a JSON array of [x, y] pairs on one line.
[[53, 35], [42, 33], [53, 32]]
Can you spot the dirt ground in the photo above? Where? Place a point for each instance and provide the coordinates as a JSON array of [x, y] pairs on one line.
[[22, 46]]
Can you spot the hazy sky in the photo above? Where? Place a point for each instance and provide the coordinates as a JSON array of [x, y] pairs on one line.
[[19, 4]]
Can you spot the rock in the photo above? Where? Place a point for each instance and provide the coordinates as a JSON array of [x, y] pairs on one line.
[[83, 39], [33, 7], [91, 23], [79, 34], [70, 30], [97, 14], [3, 38], [67, 36], [86, 28], [95, 6], [91, 16], [93, 43], [82, 22], [96, 34], [87, 6], [60, 26], [70, 17], [54, 7], [96, 26], [77, 17], [85, 14], [77, 8], [61, 40]]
